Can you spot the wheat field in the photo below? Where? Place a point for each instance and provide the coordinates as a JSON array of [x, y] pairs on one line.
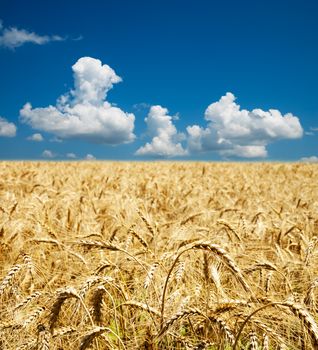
[[162, 255]]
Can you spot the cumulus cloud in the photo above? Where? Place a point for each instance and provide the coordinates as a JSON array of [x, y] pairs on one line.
[[71, 155], [13, 37], [90, 157], [238, 132], [245, 151], [165, 138], [36, 137], [84, 113], [7, 129], [48, 154], [312, 159]]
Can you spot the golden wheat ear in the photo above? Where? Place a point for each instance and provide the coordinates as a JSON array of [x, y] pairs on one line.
[[44, 337]]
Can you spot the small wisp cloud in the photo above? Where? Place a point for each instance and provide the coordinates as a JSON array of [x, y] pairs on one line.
[[71, 155], [311, 159], [13, 37]]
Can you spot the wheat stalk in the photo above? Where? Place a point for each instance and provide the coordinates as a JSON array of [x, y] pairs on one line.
[[6, 282], [310, 248], [230, 228], [309, 299], [147, 223], [97, 300], [253, 341], [218, 251], [178, 316], [90, 336], [36, 313], [150, 274], [43, 342], [142, 306], [215, 276], [298, 310], [224, 327], [62, 295], [180, 271], [27, 300], [63, 331], [265, 342], [139, 238]]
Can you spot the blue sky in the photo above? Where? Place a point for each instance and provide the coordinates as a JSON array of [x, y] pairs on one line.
[[201, 80]]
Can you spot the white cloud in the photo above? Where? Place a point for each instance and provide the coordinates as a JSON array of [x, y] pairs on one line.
[[92, 81], [14, 37], [56, 139], [78, 38], [36, 137], [84, 113], [71, 155], [312, 159], [48, 154], [89, 157], [164, 135], [141, 106], [7, 129], [200, 140], [245, 151], [238, 132]]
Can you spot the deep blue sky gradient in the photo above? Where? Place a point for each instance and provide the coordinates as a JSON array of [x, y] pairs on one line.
[[183, 55]]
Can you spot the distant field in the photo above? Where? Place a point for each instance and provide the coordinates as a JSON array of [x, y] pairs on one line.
[[158, 255]]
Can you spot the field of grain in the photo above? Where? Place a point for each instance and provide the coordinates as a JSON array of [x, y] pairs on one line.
[[108, 255]]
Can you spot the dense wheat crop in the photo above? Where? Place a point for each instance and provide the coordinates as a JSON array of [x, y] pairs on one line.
[[158, 256]]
